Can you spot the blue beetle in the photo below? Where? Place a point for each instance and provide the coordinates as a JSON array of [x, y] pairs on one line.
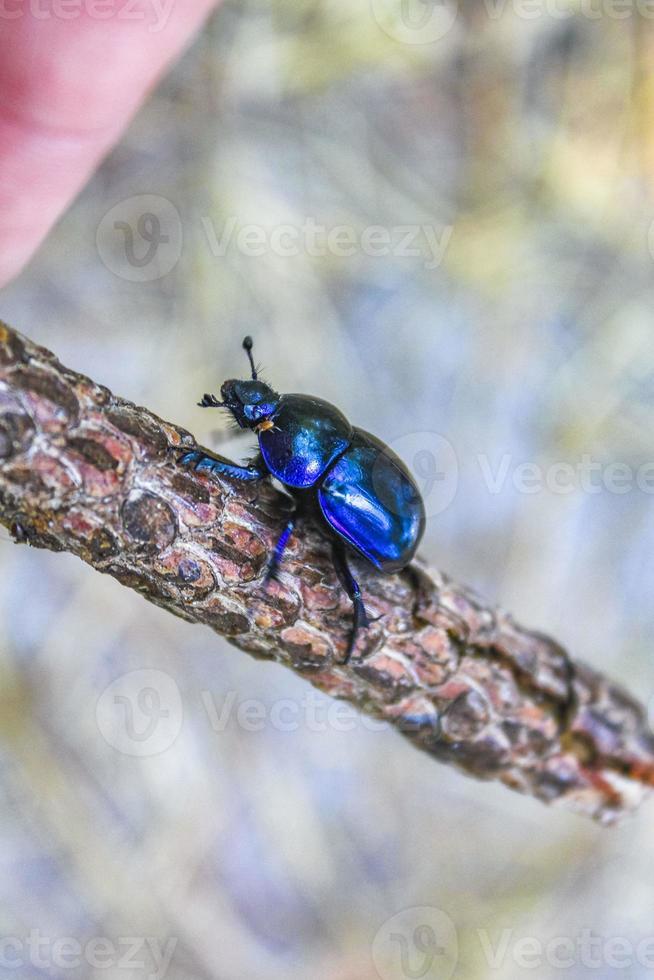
[[352, 485]]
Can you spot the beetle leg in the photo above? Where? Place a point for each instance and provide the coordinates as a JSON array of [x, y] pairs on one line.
[[204, 461], [351, 586], [280, 548]]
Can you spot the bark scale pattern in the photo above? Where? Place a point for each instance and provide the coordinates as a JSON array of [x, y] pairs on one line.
[[84, 471]]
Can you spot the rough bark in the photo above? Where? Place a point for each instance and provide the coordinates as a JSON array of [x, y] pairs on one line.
[[84, 471]]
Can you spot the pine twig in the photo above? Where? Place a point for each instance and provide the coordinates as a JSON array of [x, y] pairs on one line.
[[84, 471]]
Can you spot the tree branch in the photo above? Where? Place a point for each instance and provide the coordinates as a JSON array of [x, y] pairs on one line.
[[86, 472]]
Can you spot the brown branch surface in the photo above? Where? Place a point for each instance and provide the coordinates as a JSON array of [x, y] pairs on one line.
[[86, 472]]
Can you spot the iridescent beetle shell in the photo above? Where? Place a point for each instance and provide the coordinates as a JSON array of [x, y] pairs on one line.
[[370, 499]]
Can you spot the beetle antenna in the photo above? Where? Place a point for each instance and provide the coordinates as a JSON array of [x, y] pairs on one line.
[[247, 347]]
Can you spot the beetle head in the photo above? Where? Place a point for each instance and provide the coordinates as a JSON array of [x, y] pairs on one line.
[[252, 403]]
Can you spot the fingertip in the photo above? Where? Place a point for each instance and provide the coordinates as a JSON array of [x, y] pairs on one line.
[[68, 89]]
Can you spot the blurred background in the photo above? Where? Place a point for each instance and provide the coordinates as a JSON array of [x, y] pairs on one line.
[[439, 218]]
